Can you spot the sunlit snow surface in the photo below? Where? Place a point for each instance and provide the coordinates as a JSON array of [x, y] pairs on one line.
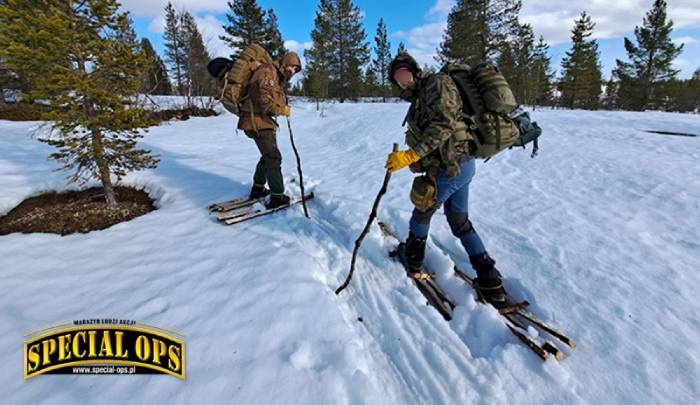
[[599, 233]]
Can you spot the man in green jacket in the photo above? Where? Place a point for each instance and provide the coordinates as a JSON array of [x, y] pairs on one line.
[[439, 146]]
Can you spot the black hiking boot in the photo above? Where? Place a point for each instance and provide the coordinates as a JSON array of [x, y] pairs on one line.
[[277, 201], [488, 281], [258, 192], [414, 253]]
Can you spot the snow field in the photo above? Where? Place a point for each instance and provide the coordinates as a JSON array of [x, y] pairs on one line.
[[599, 233]]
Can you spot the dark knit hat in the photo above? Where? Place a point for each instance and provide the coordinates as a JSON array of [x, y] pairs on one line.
[[218, 65], [402, 60]]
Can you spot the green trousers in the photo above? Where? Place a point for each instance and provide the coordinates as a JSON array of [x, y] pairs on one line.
[[269, 168]]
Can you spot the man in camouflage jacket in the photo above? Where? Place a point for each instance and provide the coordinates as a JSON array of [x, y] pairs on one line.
[[439, 143], [266, 99]]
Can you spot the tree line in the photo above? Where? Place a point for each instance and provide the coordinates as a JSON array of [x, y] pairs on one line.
[[342, 63]]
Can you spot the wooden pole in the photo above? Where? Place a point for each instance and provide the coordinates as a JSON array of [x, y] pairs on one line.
[[301, 176], [371, 219]]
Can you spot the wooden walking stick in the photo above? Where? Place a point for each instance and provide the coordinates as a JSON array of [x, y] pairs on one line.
[[301, 176], [372, 217]]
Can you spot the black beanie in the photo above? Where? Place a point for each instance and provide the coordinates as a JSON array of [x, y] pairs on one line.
[[216, 66]]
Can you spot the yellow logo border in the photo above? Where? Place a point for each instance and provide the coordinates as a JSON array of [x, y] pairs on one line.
[[54, 330]]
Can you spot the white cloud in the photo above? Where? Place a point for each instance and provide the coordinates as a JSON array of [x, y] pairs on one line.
[[441, 8], [684, 40], [211, 28], [152, 8], [157, 25], [299, 48], [554, 20], [680, 63], [423, 41]]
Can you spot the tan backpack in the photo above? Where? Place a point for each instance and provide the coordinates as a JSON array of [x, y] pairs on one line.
[[490, 108], [234, 84]]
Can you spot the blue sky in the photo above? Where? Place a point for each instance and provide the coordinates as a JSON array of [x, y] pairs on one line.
[[420, 24]]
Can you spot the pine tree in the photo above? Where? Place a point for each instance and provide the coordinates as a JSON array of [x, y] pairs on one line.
[[541, 74], [401, 48], [371, 87], [4, 82], [581, 82], [687, 97], [175, 49], [429, 69], [273, 37], [610, 95], [650, 60], [351, 49], [515, 61], [5, 77], [380, 64], [91, 77], [477, 30], [318, 57], [507, 64], [338, 48], [155, 77], [246, 26], [198, 80]]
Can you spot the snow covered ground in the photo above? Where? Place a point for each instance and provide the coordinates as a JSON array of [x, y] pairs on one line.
[[599, 233]]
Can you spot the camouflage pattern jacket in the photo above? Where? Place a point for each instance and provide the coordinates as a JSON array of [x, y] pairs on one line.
[[436, 130], [265, 100]]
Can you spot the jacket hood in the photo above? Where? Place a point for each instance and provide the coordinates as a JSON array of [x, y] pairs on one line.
[[290, 59], [403, 60]]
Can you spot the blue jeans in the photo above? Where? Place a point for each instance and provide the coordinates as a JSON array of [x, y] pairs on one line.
[[454, 194]]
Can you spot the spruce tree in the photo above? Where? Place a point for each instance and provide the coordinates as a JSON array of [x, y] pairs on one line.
[[199, 81], [688, 95], [319, 56], [4, 76], [4, 82], [155, 77], [351, 49], [89, 74], [507, 64], [429, 69], [371, 87], [401, 48], [273, 37], [610, 95], [246, 25], [650, 61], [380, 64], [541, 74], [477, 30], [581, 82], [516, 62], [175, 48], [338, 48]]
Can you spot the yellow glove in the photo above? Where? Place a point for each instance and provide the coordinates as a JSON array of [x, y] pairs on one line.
[[286, 111], [399, 160]]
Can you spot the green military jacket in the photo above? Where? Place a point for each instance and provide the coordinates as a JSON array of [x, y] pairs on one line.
[[436, 130]]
